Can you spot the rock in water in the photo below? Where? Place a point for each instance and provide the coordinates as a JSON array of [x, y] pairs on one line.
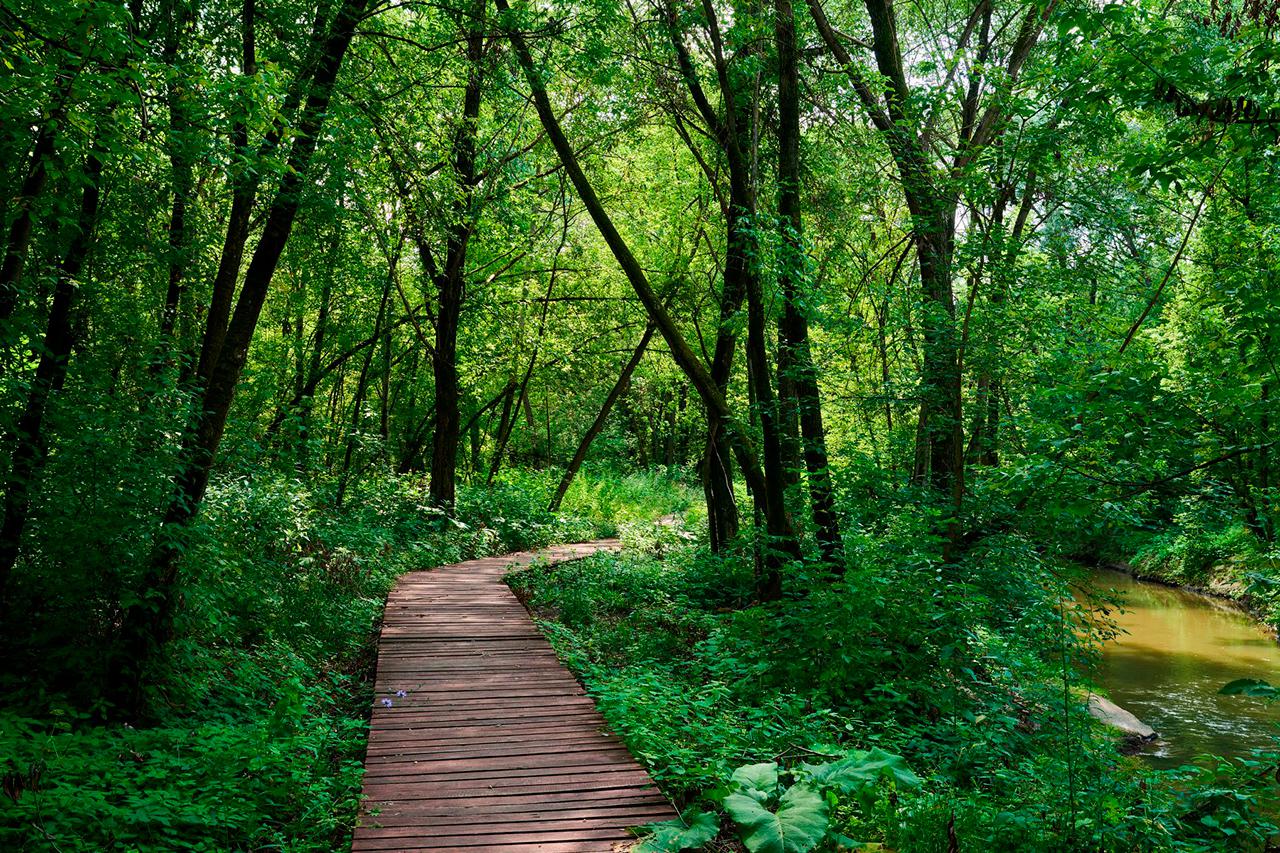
[[1113, 715]]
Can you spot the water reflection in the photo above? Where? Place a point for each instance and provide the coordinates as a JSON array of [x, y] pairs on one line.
[[1178, 650]]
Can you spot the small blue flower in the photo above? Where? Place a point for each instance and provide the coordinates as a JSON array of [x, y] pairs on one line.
[[386, 703], [402, 693]]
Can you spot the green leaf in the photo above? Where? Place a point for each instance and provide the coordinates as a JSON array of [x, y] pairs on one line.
[[758, 780], [860, 770], [796, 827], [694, 828]]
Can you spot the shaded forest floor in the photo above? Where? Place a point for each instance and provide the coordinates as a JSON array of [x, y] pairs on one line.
[[264, 707]]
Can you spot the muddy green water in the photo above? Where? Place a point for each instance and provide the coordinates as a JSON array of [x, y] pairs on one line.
[[1176, 652]]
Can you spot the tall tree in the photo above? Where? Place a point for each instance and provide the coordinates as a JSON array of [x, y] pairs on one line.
[[930, 190], [734, 127], [29, 443], [795, 358], [148, 623], [450, 278], [783, 537]]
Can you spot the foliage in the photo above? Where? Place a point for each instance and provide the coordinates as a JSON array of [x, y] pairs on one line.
[[772, 818], [694, 828], [876, 674], [958, 290], [791, 822], [264, 713]]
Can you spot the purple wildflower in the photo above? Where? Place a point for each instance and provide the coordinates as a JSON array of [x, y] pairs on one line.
[[386, 703], [402, 693]]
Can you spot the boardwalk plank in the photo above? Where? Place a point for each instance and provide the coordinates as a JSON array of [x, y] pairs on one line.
[[483, 807], [493, 745], [521, 813]]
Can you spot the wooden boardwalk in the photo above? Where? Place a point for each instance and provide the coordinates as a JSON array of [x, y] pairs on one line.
[[488, 742]]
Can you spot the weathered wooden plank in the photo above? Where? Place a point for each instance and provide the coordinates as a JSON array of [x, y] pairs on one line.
[[500, 742], [599, 826], [442, 743], [417, 797], [493, 778], [493, 745], [488, 766], [476, 844], [527, 742], [432, 836], [481, 706], [519, 813], [494, 718]]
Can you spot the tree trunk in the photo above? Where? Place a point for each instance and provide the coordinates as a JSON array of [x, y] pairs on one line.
[[28, 441], [179, 164], [451, 282], [1264, 453], [639, 429], [472, 426], [989, 447], [788, 415], [362, 385], [244, 188], [716, 468], [734, 131], [305, 394], [474, 434], [782, 545], [933, 210], [412, 450], [385, 398], [618, 389], [20, 229], [681, 351], [504, 427], [795, 358], [940, 400], [741, 249], [939, 445]]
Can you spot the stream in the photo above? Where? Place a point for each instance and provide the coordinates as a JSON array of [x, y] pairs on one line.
[[1175, 651]]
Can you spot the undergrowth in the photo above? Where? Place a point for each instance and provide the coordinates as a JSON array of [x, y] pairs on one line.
[[261, 714], [1207, 548], [960, 670]]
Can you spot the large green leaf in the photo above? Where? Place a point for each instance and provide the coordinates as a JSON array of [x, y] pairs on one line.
[[757, 780], [1249, 687], [690, 831], [860, 770], [796, 827]]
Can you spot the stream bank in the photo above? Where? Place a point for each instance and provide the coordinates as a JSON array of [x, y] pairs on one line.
[[1223, 583]]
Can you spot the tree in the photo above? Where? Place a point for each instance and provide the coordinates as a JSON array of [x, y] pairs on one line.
[[783, 541], [148, 623], [931, 192]]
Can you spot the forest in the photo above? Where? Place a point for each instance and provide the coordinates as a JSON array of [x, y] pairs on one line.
[[871, 329]]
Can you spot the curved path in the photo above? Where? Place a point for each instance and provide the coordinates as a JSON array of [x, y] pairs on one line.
[[480, 739]]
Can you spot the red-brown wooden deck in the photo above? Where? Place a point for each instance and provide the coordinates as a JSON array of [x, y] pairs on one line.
[[494, 745]]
